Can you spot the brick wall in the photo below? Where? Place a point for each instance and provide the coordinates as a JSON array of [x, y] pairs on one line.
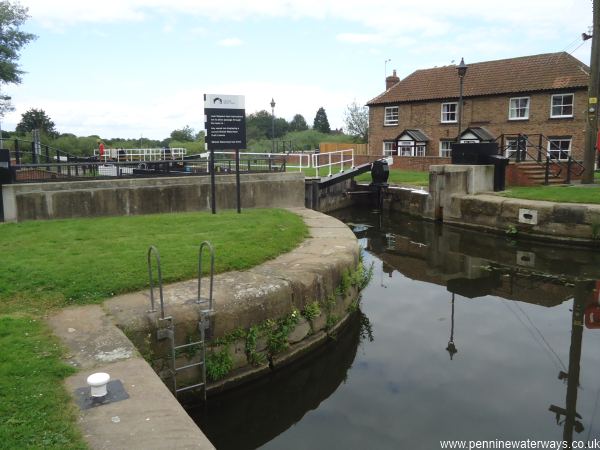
[[490, 112]]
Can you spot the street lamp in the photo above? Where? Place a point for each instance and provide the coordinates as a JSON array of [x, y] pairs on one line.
[[462, 71], [273, 123]]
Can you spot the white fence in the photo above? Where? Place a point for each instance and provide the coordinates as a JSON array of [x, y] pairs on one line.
[[342, 159], [331, 159], [141, 154]]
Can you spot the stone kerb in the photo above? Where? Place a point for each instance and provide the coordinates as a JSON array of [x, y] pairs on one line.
[[310, 273]]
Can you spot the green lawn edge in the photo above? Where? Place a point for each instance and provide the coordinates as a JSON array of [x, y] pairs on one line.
[[35, 409]]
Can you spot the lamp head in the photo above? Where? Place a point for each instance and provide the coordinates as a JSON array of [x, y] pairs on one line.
[[462, 68]]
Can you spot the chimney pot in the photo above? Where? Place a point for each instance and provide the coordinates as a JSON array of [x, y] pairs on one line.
[[391, 80]]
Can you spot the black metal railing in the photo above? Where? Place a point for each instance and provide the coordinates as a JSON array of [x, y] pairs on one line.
[[28, 152], [45, 169], [537, 148]]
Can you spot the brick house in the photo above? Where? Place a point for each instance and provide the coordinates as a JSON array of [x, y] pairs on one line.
[[542, 96]]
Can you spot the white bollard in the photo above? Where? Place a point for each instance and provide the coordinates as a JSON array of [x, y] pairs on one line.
[[98, 382]]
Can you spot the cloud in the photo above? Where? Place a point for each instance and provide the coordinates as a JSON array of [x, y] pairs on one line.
[[230, 42], [401, 18]]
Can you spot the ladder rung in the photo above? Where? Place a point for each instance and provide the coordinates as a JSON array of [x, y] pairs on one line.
[[187, 388], [177, 369], [188, 345]]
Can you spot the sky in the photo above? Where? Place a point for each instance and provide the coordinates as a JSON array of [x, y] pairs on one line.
[[139, 68]]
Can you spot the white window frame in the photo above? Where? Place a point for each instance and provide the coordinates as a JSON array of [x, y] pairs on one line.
[[445, 152], [391, 151], [412, 148], [559, 150], [562, 105], [511, 109], [444, 114], [391, 121], [511, 147]]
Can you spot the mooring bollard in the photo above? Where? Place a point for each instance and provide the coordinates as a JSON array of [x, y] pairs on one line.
[[97, 382]]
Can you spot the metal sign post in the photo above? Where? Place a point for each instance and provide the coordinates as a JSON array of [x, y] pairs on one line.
[[225, 124]]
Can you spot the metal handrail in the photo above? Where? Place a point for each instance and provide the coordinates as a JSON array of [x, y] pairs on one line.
[[199, 300], [541, 150], [340, 153], [153, 250]]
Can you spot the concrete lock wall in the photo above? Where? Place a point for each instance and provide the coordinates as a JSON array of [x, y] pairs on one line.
[[462, 195], [118, 197]]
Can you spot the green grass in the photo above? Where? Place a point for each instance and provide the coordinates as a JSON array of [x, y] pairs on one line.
[[564, 194], [34, 408], [401, 177], [324, 171], [50, 264]]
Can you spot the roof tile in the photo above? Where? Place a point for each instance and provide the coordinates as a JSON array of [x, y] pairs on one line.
[[515, 75]]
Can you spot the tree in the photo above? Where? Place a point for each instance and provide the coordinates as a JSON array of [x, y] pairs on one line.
[[356, 118], [321, 123], [36, 119], [186, 134], [12, 39], [258, 125], [298, 123]]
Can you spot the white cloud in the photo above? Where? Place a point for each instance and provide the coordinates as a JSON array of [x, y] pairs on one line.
[[401, 18], [230, 42]]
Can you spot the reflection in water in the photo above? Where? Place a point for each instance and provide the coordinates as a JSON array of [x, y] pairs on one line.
[[520, 313], [255, 414], [467, 273]]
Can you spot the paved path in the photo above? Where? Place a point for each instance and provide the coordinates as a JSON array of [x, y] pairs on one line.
[[151, 418]]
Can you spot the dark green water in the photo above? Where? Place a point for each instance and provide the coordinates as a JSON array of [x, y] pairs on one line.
[[461, 336]]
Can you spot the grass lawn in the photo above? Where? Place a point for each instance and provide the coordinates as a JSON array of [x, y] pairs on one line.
[[34, 408], [51, 264], [324, 171], [565, 194], [401, 177]]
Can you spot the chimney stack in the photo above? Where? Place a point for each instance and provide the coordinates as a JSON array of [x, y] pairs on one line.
[[391, 80]]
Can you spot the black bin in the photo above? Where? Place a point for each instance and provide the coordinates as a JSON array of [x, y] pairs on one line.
[[473, 153], [484, 153], [500, 163]]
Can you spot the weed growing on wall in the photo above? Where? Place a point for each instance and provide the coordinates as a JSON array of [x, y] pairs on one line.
[[279, 330], [218, 364], [312, 311], [254, 357]]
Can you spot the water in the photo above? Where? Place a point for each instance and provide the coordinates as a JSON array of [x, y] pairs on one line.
[[462, 336]]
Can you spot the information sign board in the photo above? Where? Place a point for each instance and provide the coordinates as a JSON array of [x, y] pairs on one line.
[[225, 121]]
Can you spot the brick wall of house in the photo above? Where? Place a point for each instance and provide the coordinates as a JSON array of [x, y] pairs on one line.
[[490, 112]]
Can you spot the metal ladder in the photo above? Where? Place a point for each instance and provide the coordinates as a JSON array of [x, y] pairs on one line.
[[166, 327]]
